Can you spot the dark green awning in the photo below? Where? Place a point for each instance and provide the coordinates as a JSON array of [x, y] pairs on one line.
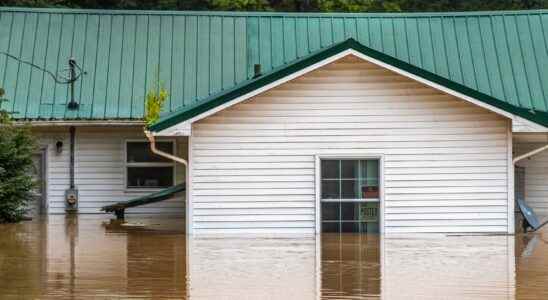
[[150, 198]]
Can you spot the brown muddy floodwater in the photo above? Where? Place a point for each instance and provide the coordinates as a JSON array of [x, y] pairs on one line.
[[90, 258]]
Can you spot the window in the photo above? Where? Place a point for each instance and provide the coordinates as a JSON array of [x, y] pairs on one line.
[[147, 170], [349, 195]]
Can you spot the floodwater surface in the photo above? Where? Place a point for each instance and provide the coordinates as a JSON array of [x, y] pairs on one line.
[[90, 257]]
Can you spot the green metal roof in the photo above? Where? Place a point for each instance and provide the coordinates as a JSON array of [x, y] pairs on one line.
[[503, 55]]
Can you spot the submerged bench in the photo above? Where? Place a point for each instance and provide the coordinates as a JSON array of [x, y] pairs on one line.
[[119, 208]]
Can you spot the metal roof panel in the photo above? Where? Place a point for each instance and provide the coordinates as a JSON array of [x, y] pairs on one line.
[[199, 54]]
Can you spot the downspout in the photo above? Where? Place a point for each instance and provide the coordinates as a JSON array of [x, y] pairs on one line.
[[154, 150], [152, 141], [71, 166], [529, 154]]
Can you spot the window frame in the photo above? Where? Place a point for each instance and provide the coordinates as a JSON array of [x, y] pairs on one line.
[[147, 165], [318, 189]]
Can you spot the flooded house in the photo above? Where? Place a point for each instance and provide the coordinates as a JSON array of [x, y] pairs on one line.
[[285, 122]]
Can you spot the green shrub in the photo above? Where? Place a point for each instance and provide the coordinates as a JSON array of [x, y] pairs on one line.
[[16, 182]]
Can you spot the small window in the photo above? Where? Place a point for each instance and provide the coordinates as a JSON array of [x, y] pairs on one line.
[[350, 195], [146, 169]]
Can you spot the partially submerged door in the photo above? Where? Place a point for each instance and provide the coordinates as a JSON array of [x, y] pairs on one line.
[[38, 202]]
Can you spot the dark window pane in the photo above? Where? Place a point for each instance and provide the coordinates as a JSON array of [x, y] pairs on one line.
[[350, 189], [370, 227], [350, 211], [350, 227], [370, 172], [153, 177], [350, 169], [140, 152], [330, 189], [330, 169], [360, 227], [330, 227], [330, 211]]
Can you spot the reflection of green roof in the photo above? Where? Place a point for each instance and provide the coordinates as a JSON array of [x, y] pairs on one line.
[[190, 111], [503, 55]]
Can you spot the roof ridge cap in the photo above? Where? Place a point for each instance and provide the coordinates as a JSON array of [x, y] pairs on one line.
[[270, 14]]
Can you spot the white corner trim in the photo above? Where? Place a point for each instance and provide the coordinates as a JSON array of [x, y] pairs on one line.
[[189, 205], [510, 180]]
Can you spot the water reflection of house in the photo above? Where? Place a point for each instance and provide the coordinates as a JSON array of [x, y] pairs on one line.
[[531, 266], [81, 258], [156, 265], [248, 268], [472, 267], [22, 264], [86, 259], [350, 265]]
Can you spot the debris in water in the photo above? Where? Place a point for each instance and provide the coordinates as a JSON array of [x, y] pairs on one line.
[[133, 224]]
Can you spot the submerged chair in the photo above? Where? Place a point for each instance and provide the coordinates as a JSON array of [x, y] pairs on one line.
[[530, 218]]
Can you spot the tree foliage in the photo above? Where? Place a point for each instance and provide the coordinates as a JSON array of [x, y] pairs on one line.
[[16, 183], [290, 5]]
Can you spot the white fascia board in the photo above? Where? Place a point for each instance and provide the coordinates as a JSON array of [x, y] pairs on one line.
[[181, 129], [186, 125], [519, 126]]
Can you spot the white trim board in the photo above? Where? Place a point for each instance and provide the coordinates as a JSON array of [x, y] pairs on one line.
[[184, 128]]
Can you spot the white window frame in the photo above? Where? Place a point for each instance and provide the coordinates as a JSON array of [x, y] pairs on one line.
[[318, 189], [147, 164]]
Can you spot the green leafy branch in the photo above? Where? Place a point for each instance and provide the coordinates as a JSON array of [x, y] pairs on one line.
[[155, 99]]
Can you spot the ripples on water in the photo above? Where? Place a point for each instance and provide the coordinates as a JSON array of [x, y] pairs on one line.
[[89, 257]]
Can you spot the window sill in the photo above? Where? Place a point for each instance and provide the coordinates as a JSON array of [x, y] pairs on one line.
[[351, 200]]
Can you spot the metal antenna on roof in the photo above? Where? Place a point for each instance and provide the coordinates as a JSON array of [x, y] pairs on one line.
[[72, 105], [57, 77]]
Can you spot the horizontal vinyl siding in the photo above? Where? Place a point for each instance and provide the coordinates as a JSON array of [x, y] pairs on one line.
[[445, 170], [536, 171], [100, 171]]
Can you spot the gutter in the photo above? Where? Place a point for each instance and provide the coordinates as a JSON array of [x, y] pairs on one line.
[[80, 123], [151, 139]]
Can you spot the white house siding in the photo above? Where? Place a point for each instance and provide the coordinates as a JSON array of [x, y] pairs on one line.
[[445, 160], [99, 170], [536, 170]]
